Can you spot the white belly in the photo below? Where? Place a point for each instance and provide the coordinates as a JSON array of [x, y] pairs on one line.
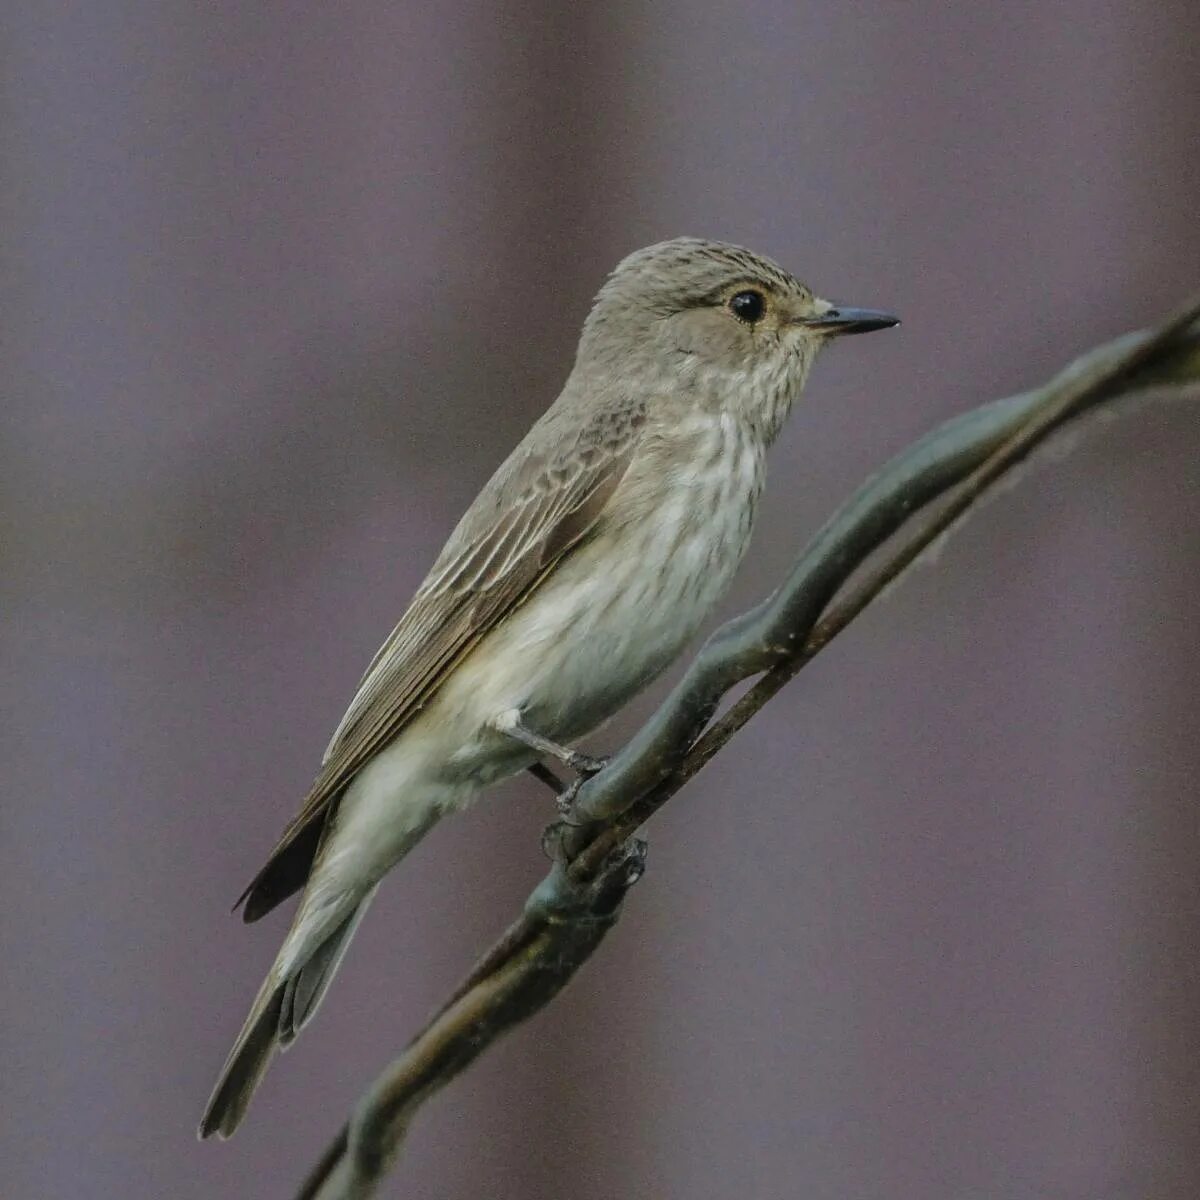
[[615, 613]]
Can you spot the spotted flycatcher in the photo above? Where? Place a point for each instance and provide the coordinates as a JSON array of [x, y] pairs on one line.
[[577, 575]]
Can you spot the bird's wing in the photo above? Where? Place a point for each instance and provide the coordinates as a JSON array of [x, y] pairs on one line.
[[537, 508]]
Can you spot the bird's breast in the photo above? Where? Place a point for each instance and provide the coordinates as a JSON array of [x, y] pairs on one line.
[[618, 610]]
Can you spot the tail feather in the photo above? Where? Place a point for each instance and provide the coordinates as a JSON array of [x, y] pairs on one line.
[[304, 992], [284, 1004], [245, 1065], [332, 906]]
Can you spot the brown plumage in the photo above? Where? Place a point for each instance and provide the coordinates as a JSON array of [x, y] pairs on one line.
[[534, 510], [575, 577]]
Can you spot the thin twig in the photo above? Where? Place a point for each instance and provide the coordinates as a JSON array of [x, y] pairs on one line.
[[568, 914]]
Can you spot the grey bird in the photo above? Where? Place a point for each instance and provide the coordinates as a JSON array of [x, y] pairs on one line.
[[578, 574]]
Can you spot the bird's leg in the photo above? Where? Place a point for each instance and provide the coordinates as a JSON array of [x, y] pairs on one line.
[[584, 765], [540, 771], [510, 724]]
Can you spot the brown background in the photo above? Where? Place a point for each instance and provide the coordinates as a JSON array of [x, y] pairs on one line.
[[283, 284]]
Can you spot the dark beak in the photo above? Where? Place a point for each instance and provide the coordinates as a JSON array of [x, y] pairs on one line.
[[840, 320]]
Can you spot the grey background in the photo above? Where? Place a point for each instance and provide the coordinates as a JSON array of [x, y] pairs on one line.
[[282, 285]]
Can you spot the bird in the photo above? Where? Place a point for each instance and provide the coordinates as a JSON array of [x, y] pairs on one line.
[[576, 577]]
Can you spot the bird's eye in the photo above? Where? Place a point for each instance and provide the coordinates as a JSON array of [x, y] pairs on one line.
[[748, 306]]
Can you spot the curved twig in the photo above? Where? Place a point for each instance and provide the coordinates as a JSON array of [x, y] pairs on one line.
[[598, 859]]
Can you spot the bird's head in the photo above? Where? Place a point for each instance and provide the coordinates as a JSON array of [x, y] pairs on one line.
[[735, 324]]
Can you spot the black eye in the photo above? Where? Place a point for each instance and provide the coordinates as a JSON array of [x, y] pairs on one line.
[[748, 306]]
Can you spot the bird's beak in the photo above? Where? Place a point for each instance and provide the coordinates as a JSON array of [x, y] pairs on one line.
[[839, 319]]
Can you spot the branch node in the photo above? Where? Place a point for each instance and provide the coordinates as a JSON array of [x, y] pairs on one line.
[[560, 899]]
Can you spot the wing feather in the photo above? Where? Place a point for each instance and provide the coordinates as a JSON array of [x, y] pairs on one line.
[[535, 510]]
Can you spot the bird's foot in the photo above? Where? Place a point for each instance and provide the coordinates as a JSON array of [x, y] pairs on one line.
[[557, 835], [585, 766]]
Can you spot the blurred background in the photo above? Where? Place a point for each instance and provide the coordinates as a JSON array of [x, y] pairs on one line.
[[283, 284]]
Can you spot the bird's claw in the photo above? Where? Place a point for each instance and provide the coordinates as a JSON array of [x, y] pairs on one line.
[[555, 834], [565, 801], [585, 766]]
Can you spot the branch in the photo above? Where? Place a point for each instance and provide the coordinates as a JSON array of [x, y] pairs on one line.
[[598, 857]]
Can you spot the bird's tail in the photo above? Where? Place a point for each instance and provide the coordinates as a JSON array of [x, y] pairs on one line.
[[285, 1003]]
